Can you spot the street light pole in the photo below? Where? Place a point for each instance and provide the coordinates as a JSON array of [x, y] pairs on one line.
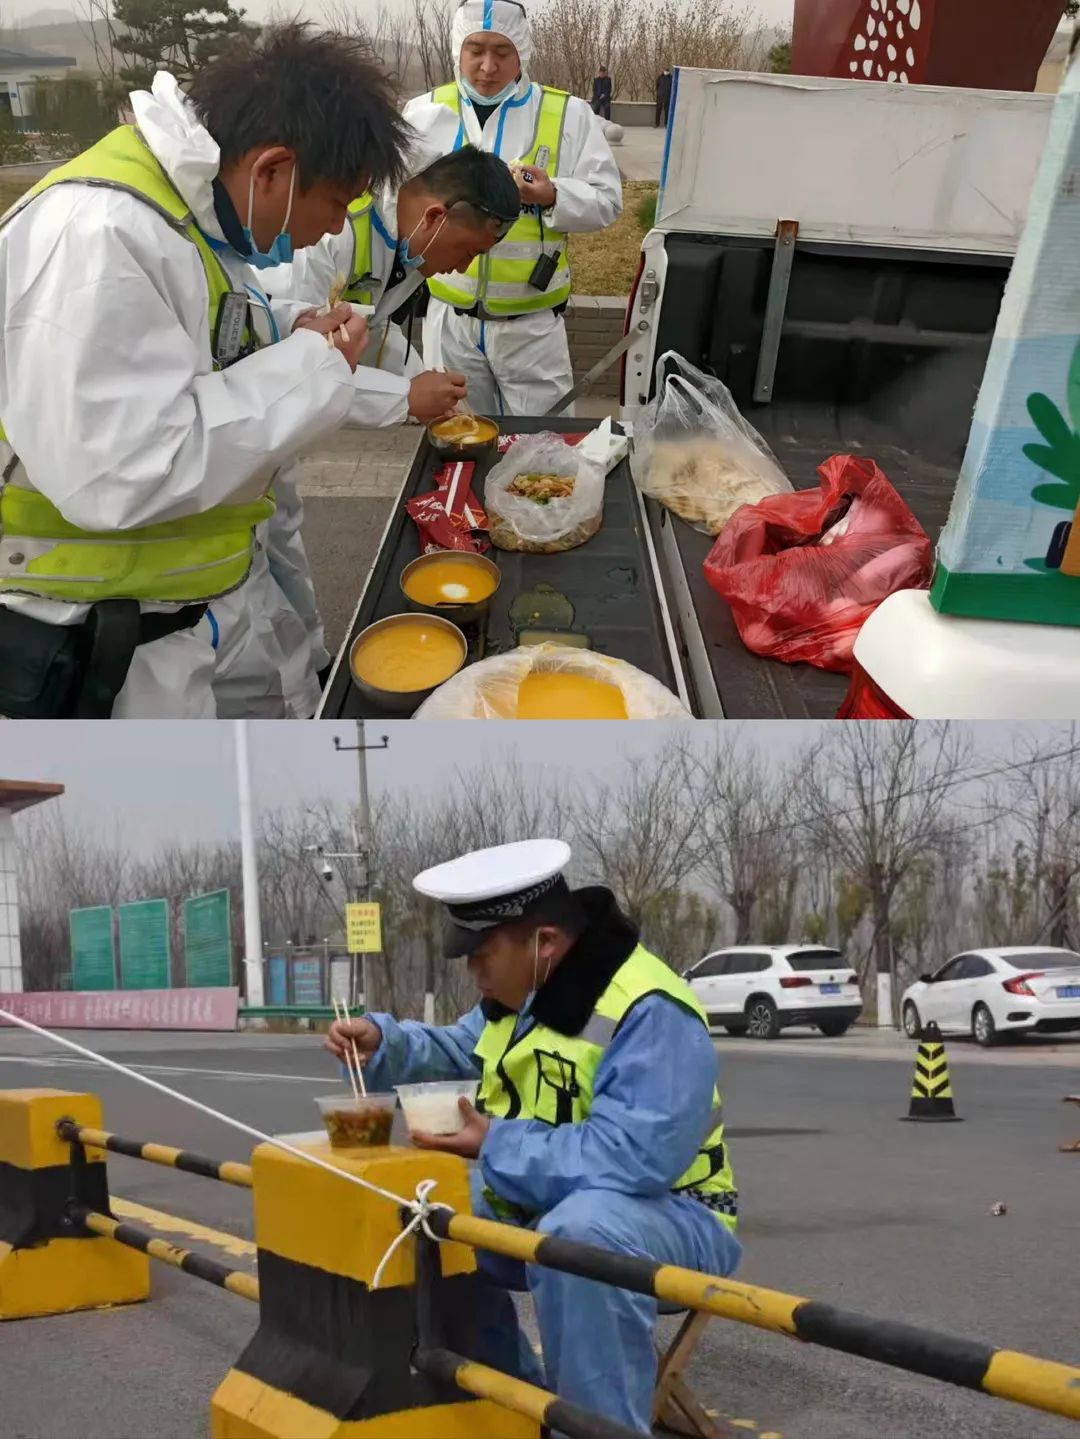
[[362, 832], [253, 947]]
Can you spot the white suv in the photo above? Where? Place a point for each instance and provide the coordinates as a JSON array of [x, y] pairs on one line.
[[760, 989]]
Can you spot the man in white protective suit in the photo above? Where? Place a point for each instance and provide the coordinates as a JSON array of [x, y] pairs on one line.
[[145, 409], [500, 323], [442, 218]]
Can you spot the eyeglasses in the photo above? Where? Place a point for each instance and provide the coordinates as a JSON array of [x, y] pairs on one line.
[[501, 224]]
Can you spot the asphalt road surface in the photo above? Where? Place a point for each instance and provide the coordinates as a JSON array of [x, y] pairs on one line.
[[840, 1202]]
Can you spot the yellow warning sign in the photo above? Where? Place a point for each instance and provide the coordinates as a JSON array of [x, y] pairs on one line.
[[363, 928]]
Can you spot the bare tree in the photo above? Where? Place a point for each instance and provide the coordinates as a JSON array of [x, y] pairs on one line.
[[389, 32], [643, 834], [432, 24], [750, 847], [62, 867], [639, 39], [1041, 798], [876, 796]]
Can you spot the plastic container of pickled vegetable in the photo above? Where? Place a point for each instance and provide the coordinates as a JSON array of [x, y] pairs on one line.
[[432, 1108], [363, 1123]]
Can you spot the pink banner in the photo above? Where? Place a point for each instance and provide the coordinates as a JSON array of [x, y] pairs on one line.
[[127, 1009]]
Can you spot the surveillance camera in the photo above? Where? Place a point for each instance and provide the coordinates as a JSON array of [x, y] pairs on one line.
[[326, 870]]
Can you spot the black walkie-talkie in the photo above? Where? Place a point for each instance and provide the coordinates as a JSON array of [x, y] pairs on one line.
[[543, 272]]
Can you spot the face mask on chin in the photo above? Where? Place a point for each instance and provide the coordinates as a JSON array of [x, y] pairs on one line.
[[281, 251], [480, 99]]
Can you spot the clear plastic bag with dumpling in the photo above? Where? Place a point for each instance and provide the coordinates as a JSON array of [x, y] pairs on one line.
[[694, 451], [552, 681]]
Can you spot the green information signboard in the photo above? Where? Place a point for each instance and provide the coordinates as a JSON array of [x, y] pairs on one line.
[[93, 955], [208, 940], [144, 944]]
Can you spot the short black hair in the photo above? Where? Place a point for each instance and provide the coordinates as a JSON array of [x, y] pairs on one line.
[[321, 94], [475, 178]]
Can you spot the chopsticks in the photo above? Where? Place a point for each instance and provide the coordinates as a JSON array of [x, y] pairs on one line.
[[331, 303], [353, 1065]]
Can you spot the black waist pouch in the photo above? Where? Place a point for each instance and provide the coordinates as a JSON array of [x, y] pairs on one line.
[[76, 671], [39, 667]]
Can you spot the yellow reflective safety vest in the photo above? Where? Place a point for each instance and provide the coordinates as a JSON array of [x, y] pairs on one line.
[[358, 286], [549, 1076], [498, 282], [180, 561]]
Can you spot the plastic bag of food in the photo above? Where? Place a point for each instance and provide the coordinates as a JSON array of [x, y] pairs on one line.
[[543, 496], [802, 572], [552, 681], [694, 452]]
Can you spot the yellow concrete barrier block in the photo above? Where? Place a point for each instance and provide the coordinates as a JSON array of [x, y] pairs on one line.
[[331, 1357], [46, 1267]]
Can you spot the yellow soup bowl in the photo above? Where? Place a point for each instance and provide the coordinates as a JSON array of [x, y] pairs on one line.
[[458, 586], [398, 661]]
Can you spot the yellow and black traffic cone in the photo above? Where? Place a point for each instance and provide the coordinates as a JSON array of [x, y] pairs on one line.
[[931, 1092]]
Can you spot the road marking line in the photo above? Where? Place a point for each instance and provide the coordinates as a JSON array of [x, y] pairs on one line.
[[239, 1074], [173, 1224]]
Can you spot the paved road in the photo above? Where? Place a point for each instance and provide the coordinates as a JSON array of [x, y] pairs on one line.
[[841, 1202]]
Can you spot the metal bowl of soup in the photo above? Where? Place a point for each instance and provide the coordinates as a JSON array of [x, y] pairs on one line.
[[460, 587], [464, 435], [398, 661]]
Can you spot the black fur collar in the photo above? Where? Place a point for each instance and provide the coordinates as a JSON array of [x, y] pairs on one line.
[[566, 1002]]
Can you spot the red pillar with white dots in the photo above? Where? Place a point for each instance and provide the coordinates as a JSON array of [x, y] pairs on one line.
[[983, 44]]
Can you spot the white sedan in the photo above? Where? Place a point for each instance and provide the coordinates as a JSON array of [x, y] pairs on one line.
[[990, 992]]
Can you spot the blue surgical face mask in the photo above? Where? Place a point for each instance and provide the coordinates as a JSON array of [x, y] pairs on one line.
[[281, 251], [413, 262], [479, 99]]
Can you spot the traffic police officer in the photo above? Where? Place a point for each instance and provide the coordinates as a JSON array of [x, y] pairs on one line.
[[598, 1117]]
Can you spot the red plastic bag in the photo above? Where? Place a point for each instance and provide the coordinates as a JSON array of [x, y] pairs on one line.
[[803, 571]]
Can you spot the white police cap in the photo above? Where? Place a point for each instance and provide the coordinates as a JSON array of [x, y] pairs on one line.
[[494, 886]]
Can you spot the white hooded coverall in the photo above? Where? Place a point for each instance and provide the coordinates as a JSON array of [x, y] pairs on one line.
[[520, 365], [108, 392], [380, 398]]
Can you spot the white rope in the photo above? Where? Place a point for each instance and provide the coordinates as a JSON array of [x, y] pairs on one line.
[[420, 1207]]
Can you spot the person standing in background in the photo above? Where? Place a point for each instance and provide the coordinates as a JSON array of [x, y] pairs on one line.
[[601, 93], [500, 322], [663, 97]]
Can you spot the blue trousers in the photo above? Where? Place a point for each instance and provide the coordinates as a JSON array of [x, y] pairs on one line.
[[598, 1341]]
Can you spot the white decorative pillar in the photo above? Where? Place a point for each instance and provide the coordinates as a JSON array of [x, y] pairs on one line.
[[11, 978]]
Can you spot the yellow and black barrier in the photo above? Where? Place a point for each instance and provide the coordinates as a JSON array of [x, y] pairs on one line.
[[191, 1262], [515, 1395], [48, 1264], [332, 1356], [335, 1358], [1004, 1373], [227, 1170]]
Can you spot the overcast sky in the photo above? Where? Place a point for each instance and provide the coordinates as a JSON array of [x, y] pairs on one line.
[[155, 780]]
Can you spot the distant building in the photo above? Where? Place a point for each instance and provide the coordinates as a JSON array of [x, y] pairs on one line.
[[15, 795], [20, 68]]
